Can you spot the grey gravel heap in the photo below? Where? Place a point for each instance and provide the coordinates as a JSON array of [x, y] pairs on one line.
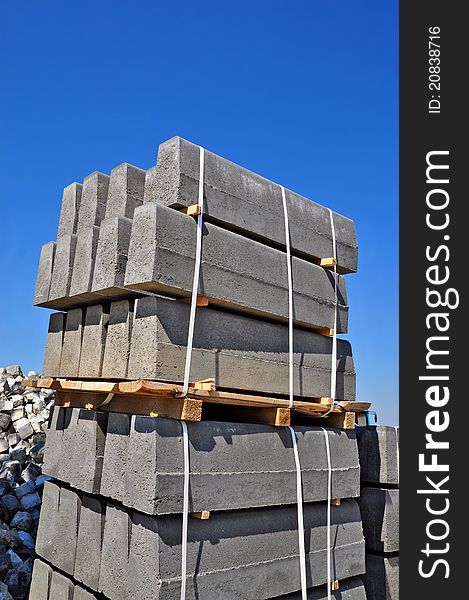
[[233, 465], [24, 413], [379, 505], [134, 555], [148, 342]]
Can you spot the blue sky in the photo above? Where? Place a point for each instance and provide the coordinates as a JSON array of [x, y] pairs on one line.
[[304, 93]]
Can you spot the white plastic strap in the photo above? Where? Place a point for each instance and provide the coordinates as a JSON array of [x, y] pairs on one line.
[[301, 526], [336, 302], [290, 298], [396, 429], [106, 400], [185, 509], [195, 282], [329, 498]]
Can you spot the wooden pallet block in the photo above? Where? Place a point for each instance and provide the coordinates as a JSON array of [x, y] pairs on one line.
[[327, 263], [203, 515], [186, 409], [161, 399], [193, 210]]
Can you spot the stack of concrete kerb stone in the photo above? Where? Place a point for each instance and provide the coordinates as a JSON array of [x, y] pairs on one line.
[[120, 271], [379, 504]]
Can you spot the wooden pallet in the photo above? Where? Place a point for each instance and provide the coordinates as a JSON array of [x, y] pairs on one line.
[[203, 401]]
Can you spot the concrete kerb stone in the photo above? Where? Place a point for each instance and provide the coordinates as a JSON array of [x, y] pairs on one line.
[[230, 556], [380, 515], [89, 542], [114, 572], [61, 588], [86, 435], [378, 449], [44, 273], [54, 342], [83, 264], [126, 190], [93, 200], [239, 351], [111, 256], [233, 465], [71, 348], [350, 589], [42, 588], [382, 576], [69, 210], [242, 200], [117, 347], [58, 526], [115, 463], [93, 341], [40, 581], [63, 266], [236, 272]]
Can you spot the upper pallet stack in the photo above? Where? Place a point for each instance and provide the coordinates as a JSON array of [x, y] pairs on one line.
[[124, 259]]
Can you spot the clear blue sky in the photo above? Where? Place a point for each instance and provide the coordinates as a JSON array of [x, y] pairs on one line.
[[304, 93]]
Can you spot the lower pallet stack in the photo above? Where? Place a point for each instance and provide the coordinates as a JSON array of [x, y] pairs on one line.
[[379, 504], [111, 523]]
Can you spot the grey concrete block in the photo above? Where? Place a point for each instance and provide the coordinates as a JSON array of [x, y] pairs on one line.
[[126, 189], [58, 525], [229, 556], [111, 256], [53, 450], [115, 464], [233, 465], [382, 577], [380, 515], [239, 351], [71, 348], [83, 264], [40, 581], [82, 594], [61, 588], [54, 342], [378, 446], [350, 589], [44, 273], [114, 575], [69, 210], [89, 542], [93, 201], [240, 199], [93, 341], [63, 267], [85, 433], [117, 347], [236, 272]]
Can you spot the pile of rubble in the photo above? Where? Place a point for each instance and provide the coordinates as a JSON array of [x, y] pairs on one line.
[[24, 413]]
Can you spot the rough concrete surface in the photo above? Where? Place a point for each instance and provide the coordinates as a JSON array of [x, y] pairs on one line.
[[382, 577], [111, 256], [238, 198], [380, 515], [93, 201], [44, 273], [378, 446], [63, 266], [54, 342], [350, 589], [83, 263], [69, 210], [236, 272], [126, 189], [93, 341], [117, 346]]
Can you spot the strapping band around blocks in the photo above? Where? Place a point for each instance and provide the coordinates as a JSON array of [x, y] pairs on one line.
[[195, 282], [185, 509], [301, 526], [329, 498]]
